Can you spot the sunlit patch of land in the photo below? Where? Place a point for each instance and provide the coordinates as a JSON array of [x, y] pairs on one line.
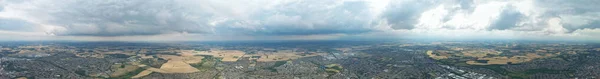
[[262, 56], [488, 56], [479, 53], [177, 66], [333, 68], [506, 60], [148, 70], [142, 74], [153, 69], [227, 55], [122, 69], [173, 67], [269, 57], [185, 58], [437, 57]]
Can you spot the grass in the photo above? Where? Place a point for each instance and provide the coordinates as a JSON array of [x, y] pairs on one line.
[[81, 72], [277, 64], [208, 62], [337, 68], [333, 68], [122, 66], [129, 74], [156, 63], [119, 55]]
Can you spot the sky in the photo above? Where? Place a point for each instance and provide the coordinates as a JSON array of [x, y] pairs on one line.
[[231, 20]]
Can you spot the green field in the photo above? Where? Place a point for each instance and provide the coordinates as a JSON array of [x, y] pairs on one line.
[[277, 64], [207, 63], [129, 74]]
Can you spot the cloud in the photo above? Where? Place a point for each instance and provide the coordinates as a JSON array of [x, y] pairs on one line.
[[305, 17], [281, 19], [508, 18], [115, 20], [576, 15], [16, 25], [404, 14], [153, 17], [581, 21]]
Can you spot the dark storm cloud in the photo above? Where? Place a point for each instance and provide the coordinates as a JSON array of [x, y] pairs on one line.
[[592, 25], [405, 14], [152, 17], [345, 18], [122, 18], [508, 19], [310, 17]]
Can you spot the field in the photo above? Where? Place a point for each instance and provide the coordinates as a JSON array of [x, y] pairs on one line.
[[227, 55], [175, 66], [269, 57], [234, 55], [277, 64], [142, 74], [479, 53], [186, 59], [128, 75], [505, 60], [488, 57], [179, 64], [430, 54], [121, 69], [333, 68], [207, 63]]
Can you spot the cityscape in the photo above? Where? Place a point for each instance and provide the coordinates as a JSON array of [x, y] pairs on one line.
[[299, 39], [305, 60]]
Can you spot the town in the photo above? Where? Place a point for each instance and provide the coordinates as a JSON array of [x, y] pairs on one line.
[[305, 60]]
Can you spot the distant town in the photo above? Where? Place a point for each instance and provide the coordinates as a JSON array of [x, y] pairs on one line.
[[406, 59]]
